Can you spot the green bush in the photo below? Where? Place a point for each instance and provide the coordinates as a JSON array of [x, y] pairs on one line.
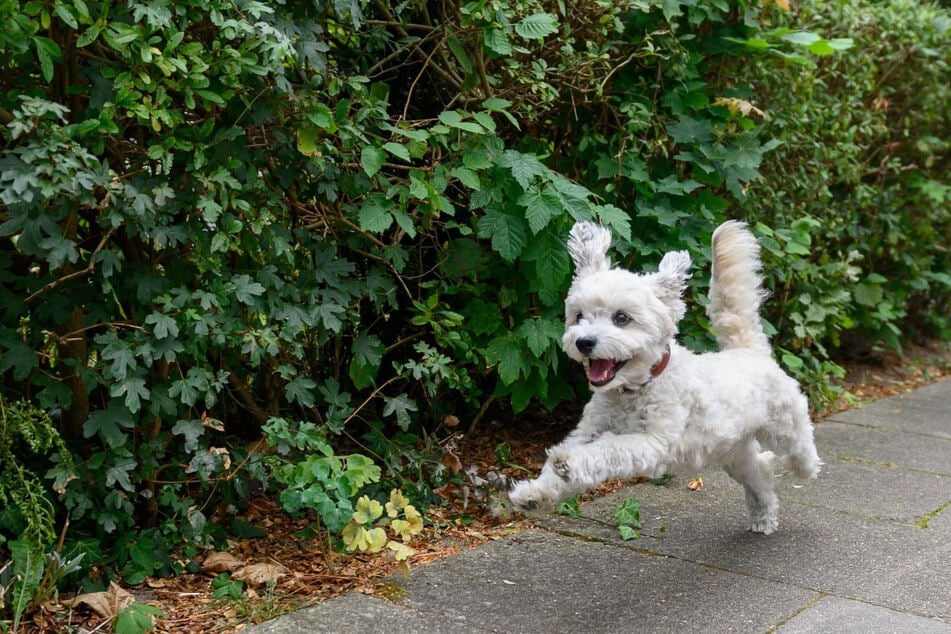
[[863, 160]]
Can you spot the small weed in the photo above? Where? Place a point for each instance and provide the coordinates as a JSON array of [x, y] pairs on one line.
[[568, 507], [390, 591]]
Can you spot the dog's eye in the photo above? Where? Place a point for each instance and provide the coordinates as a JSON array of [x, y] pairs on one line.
[[621, 318], [578, 318]]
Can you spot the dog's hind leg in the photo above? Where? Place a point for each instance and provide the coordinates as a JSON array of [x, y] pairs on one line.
[[754, 470], [803, 458], [791, 436]]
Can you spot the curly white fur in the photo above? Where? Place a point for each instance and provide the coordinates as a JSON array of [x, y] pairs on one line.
[[659, 408]]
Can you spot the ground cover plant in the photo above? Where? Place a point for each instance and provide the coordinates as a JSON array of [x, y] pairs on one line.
[[293, 248]]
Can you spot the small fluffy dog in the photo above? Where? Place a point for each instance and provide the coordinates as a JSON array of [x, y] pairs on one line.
[[657, 407]]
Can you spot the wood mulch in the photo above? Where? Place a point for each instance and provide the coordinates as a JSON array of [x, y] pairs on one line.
[[311, 572]]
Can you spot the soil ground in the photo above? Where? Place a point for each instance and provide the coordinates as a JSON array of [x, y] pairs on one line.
[[311, 572]]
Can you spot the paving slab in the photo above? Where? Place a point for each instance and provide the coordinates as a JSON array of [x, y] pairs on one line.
[[353, 613], [542, 581], [834, 615], [926, 410], [885, 446], [893, 565]]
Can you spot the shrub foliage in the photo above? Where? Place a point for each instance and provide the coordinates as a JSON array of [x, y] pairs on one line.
[[331, 226]]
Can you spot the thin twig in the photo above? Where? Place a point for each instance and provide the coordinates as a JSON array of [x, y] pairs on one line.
[[86, 271]]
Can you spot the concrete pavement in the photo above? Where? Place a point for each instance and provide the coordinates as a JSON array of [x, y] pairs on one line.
[[864, 548]]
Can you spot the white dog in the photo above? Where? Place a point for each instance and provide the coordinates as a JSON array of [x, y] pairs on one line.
[[659, 408]]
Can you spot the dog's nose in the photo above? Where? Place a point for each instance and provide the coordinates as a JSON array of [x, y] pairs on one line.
[[586, 345]]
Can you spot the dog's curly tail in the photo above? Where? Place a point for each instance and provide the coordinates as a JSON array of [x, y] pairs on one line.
[[736, 289]]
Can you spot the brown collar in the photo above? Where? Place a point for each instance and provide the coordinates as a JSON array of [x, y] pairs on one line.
[[659, 367]]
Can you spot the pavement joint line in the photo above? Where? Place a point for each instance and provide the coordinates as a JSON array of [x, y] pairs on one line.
[[890, 465], [890, 519], [925, 520], [912, 432], [803, 608], [703, 564]]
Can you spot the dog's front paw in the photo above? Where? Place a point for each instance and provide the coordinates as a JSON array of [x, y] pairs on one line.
[[530, 497], [764, 525], [561, 465]]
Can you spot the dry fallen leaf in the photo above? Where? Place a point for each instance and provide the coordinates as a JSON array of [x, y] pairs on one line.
[[221, 562], [696, 484], [260, 574], [106, 603]]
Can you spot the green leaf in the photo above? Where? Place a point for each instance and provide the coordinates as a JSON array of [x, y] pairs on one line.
[[628, 533], [401, 406], [192, 430], [801, 38], [301, 390], [307, 140], [539, 334], [511, 362], [367, 355], [568, 507], [467, 177], [107, 424], [629, 514], [21, 357], [867, 294], [617, 219], [245, 290], [688, 130], [398, 150], [134, 391], [461, 55], [792, 362], [525, 167], [541, 207], [361, 471], [162, 325], [375, 214], [507, 233], [47, 52], [454, 119], [136, 619], [372, 159], [63, 13], [497, 41], [537, 26]]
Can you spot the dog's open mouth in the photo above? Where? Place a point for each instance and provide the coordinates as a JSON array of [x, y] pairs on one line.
[[602, 371]]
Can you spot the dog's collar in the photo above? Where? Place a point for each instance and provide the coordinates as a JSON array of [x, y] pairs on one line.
[[656, 371], [661, 365]]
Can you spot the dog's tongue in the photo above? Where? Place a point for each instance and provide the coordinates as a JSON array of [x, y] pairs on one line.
[[600, 371]]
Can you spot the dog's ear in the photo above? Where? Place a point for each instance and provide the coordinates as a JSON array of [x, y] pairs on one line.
[[672, 275], [588, 245]]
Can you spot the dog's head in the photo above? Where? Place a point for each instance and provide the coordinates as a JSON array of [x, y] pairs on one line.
[[618, 323]]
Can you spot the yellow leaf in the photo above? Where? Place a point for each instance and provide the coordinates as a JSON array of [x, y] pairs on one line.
[[397, 502], [401, 551], [367, 510], [353, 536], [696, 484], [376, 539], [402, 529], [414, 518]]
